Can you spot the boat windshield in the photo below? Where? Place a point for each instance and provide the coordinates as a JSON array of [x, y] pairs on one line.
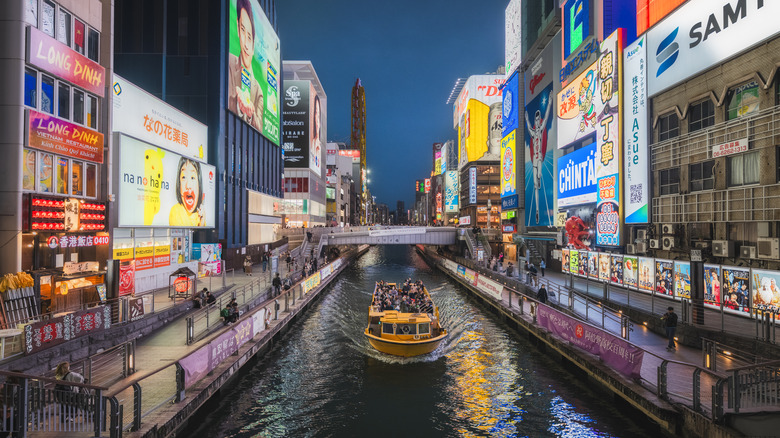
[[406, 329], [424, 329]]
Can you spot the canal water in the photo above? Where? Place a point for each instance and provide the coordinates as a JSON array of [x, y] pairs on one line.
[[323, 379]]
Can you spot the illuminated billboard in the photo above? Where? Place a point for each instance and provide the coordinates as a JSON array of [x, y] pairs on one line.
[[513, 36], [509, 165], [301, 139], [159, 188], [254, 68], [636, 132], [477, 116], [576, 25], [427, 185], [577, 177], [510, 105], [147, 118], [539, 191], [451, 191], [578, 107]]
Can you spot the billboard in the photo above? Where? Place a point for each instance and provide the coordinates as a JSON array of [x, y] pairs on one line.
[[301, 135], [539, 207], [704, 33], [616, 275], [510, 105], [646, 274], [513, 37], [478, 117], [766, 291], [51, 134], [577, 177], [712, 295], [508, 165], [636, 132], [736, 290], [682, 279], [147, 118], [472, 185], [427, 185], [254, 66], [54, 57], [663, 277], [576, 25], [630, 266], [159, 188], [451, 191]]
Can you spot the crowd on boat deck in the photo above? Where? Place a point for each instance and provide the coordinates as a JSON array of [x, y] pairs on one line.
[[409, 299]]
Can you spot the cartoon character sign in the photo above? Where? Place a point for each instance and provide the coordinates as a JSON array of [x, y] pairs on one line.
[[585, 102], [539, 209], [577, 233]]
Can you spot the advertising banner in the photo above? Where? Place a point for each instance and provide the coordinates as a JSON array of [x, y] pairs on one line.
[[427, 185], [472, 185], [508, 165], [605, 265], [50, 134], [712, 285], [616, 352], [451, 191], [126, 277], [490, 287], [730, 148], [513, 38], [478, 116], [663, 277], [510, 105], [682, 280], [636, 132], [196, 365], [311, 282], [221, 348], [539, 163], [704, 33], [144, 257], [583, 268], [766, 291], [646, 274], [736, 290], [574, 261], [565, 261], [254, 66], [608, 151], [577, 177], [44, 334], [593, 265], [296, 130], [616, 275], [258, 320], [578, 107], [630, 266], [147, 118], [160, 188], [60, 60]]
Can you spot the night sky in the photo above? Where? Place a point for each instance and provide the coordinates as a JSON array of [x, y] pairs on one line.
[[408, 54]]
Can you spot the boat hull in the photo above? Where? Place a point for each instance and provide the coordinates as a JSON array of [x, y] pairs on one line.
[[405, 348]]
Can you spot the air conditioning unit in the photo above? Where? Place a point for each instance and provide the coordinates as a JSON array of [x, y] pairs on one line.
[[655, 244], [768, 248], [747, 252], [630, 249], [723, 248], [702, 244], [640, 248], [668, 242], [641, 234], [667, 229]]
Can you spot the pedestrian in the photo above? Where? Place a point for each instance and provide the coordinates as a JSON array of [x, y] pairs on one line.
[[197, 301], [209, 298], [501, 257], [509, 270], [541, 294], [66, 394], [277, 284], [542, 265], [670, 323], [289, 260], [248, 265], [532, 272], [265, 261], [308, 236]]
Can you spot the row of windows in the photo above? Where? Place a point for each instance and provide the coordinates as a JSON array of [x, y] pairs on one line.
[[48, 173], [53, 96], [743, 169], [296, 185], [57, 22]]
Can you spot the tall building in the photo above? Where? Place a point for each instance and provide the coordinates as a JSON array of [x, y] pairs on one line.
[[193, 61], [358, 141], [400, 213]]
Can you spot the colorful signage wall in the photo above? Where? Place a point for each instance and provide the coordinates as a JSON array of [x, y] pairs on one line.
[[635, 133], [513, 46], [302, 127], [147, 118], [60, 60], [577, 177], [451, 191], [51, 134], [254, 68], [508, 165], [539, 207], [704, 33], [160, 188], [477, 115]]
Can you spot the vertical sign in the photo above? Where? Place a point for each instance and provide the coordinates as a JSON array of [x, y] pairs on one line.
[[508, 166], [451, 190], [427, 185], [472, 185], [513, 36], [635, 132]]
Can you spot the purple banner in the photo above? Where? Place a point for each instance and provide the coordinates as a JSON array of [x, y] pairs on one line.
[[617, 353], [243, 332], [222, 347], [196, 365]]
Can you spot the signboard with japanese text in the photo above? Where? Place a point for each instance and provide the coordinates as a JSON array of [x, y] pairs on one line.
[[646, 274], [45, 334], [472, 185], [509, 165], [636, 133], [729, 148], [451, 191]]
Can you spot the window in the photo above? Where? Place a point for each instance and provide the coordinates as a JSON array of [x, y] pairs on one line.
[[93, 45], [45, 171], [78, 107], [31, 12], [62, 176], [47, 94], [387, 328], [701, 176], [701, 115], [47, 18], [669, 181], [28, 172], [743, 100], [63, 27], [744, 169], [77, 179], [668, 126], [31, 88], [78, 36], [92, 105], [63, 104], [91, 180]]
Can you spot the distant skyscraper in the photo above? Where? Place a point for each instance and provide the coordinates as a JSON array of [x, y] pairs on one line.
[[400, 212], [358, 137]]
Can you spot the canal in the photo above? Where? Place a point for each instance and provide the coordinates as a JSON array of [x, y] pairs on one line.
[[323, 379]]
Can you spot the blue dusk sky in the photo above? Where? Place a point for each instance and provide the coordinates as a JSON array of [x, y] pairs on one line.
[[408, 55]]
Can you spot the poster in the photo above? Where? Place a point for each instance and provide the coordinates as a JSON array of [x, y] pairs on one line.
[[126, 277], [583, 271], [766, 291], [630, 268], [616, 276], [565, 260], [604, 266], [663, 277], [712, 295], [682, 280], [593, 264], [736, 290], [539, 163], [574, 261], [646, 274]]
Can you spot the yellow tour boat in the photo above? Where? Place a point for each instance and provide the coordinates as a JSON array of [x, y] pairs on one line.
[[411, 328]]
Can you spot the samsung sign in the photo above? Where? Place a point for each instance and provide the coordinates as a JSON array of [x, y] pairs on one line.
[[703, 33], [577, 177]]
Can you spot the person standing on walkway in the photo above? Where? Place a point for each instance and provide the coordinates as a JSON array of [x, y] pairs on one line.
[[541, 295], [542, 265], [248, 265], [308, 236], [265, 261], [532, 272], [66, 394], [277, 283], [670, 323]]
